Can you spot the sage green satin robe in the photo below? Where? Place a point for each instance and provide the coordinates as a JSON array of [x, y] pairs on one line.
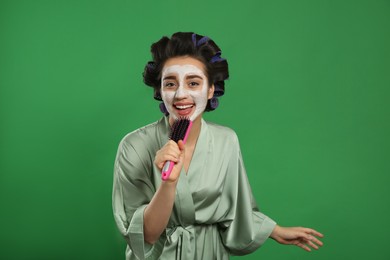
[[214, 215]]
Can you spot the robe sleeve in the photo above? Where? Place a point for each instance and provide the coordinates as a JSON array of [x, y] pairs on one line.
[[245, 228], [132, 191]]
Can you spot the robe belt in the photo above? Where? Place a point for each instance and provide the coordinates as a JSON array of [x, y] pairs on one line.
[[180, 242]]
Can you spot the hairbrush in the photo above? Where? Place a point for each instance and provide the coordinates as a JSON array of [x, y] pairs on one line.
[[179, 131]]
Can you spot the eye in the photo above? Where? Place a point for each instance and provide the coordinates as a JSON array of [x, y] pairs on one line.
[[169, 84], [193, 84]]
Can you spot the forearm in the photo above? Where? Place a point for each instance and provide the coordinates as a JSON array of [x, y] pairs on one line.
[[158, 212]]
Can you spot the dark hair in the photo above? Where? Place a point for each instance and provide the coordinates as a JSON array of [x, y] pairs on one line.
[[196, 46]]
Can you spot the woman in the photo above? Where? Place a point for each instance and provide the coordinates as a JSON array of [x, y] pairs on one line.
[[205, 209]]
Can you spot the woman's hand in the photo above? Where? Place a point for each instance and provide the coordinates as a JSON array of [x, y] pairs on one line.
[[299, 236], [173, 152]]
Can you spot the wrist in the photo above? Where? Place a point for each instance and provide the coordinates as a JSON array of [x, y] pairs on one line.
[[275, 232], [169, 184]]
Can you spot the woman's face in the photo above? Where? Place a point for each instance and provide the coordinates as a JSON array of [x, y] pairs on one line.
[[184, 87]]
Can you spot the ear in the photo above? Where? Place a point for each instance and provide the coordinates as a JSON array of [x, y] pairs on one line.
[[211, 92]]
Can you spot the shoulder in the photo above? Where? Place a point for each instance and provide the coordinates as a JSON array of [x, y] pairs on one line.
[[222, 133], [140, 135], [142, 142], [136, 151]]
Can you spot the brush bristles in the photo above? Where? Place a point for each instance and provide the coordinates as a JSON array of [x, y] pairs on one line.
[[179, 129]]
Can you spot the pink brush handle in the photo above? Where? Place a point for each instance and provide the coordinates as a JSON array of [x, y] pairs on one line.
[[187, 132], [168, 166]]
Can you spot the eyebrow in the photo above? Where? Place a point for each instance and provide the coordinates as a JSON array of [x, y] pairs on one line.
[[187, 77], [193, 77], [169, 77]]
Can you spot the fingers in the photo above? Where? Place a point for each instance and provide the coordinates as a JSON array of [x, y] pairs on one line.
[[179, 163], [311, 238], [312, 245], [171, 156], [181, 145], [315, 240], [313, 232], [312, 242], [172, 148], [303, 246], [169, 152], [310, 235], [173, 152], [307, 245]]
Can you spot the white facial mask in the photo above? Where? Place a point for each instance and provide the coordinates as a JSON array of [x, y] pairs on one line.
[[199, 98]]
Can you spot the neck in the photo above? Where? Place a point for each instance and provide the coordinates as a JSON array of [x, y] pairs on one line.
[[195, 131]]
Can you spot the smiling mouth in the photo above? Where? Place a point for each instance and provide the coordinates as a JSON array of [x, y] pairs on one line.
[[183, 107]]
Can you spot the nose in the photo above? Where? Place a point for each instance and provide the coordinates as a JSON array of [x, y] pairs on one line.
[[181, 92]]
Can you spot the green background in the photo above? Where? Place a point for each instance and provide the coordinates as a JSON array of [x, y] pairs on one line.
[[308, 97]]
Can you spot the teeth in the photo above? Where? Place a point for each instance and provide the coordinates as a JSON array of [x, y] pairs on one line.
[[183, 107]]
